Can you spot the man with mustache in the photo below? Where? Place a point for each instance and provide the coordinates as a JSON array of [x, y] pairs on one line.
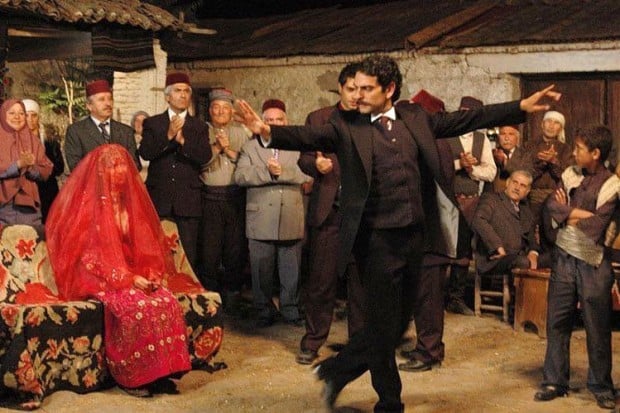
[[99, 128], [387, 153]]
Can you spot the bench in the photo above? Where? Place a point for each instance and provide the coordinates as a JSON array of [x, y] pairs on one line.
[[59, 345]]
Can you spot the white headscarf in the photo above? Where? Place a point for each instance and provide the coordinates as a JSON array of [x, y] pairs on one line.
[[558, 117], [32, 106]]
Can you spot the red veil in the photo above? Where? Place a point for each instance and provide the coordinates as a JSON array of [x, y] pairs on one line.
[[102, 230]]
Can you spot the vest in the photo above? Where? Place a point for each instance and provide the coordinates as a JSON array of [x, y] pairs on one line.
[[463, 184]]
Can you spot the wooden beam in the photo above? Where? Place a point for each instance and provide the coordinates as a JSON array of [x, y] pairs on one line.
[[450, 23]]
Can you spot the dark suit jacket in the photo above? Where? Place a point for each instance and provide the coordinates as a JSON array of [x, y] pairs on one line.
[[497, 224], [349, 135], [520, 160], [325, 186], [173, 179], [83, 136]]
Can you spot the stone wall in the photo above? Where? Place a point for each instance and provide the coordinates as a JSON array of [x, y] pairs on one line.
[[490, 74], [141, 90], [309, 82]]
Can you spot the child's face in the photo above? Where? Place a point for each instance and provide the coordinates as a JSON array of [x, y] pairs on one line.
[[584, 157]]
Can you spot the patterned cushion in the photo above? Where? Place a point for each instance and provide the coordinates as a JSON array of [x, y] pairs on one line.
[[59, 346]]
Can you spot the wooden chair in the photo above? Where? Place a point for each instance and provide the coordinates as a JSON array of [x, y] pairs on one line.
[[494, 294]]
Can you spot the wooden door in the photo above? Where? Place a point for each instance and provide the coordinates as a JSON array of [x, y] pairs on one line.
[[583, 103]]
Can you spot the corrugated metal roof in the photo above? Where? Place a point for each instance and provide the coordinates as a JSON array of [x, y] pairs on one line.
[[525, 22], [404, 24], [127, 12]]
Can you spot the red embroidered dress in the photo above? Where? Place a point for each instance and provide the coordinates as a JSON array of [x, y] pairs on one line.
[[102, 232]]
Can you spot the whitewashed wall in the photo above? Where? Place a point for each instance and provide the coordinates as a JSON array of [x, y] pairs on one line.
[[308, 83], [490, 74], [141, 90]]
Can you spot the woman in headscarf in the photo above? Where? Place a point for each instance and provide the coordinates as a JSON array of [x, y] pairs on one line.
[[48, 189], [22, 162], [105, 242]]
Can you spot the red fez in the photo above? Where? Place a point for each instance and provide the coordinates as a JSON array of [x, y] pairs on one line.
[[274, 103], [97, 86], [429, 103], [177, 77], [468, 102]]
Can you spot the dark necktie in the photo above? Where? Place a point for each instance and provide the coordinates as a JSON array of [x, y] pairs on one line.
[[104, 131], [385, 122]]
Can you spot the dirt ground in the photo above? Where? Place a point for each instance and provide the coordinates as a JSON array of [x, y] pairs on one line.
[[488, 368]]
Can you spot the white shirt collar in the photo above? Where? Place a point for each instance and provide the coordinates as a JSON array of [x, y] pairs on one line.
[[391, 113], [172, 113], [97, 121]]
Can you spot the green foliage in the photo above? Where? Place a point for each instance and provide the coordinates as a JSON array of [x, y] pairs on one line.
[[55, 99]]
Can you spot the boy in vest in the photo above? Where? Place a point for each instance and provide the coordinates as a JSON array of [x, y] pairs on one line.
[[582, 206]]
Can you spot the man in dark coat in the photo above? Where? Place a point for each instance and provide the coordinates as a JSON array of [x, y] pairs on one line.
[[85, 135], [383, 219], [505, 228], [177, 144], [323, 219]]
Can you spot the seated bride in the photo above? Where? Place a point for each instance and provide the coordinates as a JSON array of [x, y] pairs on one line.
[[106, 242]]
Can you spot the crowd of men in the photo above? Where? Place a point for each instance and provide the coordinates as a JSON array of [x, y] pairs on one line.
[[235, 187]]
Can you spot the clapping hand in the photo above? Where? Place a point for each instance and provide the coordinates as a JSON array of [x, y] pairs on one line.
[[275, 167], [26, 159], [175, 127], [468, 161]]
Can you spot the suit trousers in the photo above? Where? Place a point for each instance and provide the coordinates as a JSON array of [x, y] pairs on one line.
[[389, 261], [188, 234], [573, 280], [264, 257], [320, 287], [223, 243], [428, 313]]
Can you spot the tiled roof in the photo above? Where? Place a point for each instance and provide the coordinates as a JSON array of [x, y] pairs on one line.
[[126, 12], [404, 25]]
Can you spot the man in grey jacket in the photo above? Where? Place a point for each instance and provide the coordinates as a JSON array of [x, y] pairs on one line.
[[274, 220]]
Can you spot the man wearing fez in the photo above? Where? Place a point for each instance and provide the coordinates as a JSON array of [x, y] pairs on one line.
[[382, 150], [99, 128], [177, 145], [474, 167]]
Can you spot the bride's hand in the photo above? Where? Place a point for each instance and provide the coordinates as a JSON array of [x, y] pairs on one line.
[[142, 283]]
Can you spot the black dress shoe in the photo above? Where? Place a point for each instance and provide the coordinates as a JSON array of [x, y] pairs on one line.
[[458, 306], [163, 386], [337, 347], [409, 354], [605, 401], [549, 392], [264, 322], [332, 387], [138, 391], [296, 322], [418, 365], [306, 356]]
